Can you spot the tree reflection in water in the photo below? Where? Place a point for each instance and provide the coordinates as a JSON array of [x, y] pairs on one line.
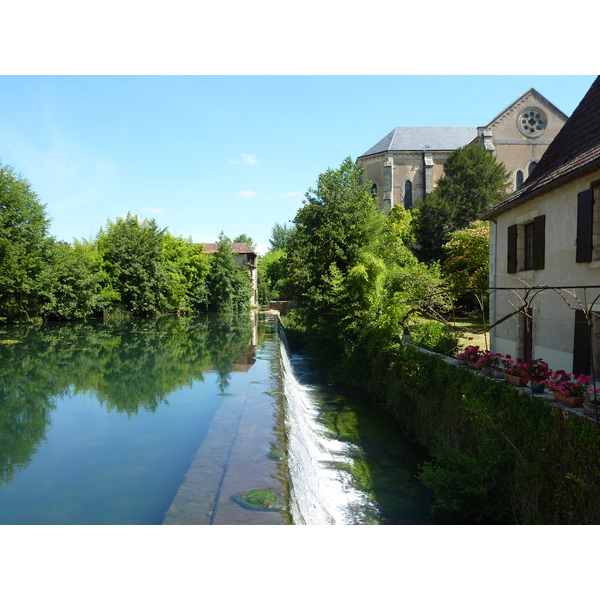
[[127, 366]]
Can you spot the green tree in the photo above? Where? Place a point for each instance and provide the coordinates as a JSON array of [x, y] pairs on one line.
[[355, 280], [271, 276], [244, 239], [466, 262], [473, 182], [131, 250], [280, 235], [229, 285], [25, 248], [332, 263], [185, 268], [75, 283]]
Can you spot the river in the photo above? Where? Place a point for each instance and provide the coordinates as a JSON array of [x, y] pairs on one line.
[[190, 420]]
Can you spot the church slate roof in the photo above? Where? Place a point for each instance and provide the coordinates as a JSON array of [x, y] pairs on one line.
[[576, 148], [429, 139]]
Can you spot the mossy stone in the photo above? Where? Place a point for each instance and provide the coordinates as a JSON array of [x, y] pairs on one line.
[[259, 500]]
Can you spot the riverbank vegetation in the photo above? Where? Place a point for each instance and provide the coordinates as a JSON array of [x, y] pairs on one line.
[[497, 455], [131, 266]]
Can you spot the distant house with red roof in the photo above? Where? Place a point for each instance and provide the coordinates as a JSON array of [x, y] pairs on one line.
[[245, 257]]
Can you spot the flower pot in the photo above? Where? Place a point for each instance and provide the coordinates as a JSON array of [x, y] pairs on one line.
[[515, 380], [537, 388], [474, 365], [568, 400], [487, 371]]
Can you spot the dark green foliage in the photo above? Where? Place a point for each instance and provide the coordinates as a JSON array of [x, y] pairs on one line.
[[473, 182], [497, 455], [25, 248], [280, 234], [74, 290], [435, 336], [229, 285], [132, 251]]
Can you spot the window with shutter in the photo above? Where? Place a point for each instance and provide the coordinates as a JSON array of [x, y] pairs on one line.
[[585, 222]]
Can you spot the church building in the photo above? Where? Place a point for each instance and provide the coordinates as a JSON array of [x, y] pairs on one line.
[[407, 163]]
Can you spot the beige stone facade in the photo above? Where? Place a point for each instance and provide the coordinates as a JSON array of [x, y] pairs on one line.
[[406, 164], [551, 326], [545, 252]]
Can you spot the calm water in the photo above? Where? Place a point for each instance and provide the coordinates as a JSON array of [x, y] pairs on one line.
[[138, 422], [172, 420]]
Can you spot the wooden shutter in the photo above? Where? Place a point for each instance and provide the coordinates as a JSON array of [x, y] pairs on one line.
[[511, 263], [585, 226], [539, 241], [581, 345]]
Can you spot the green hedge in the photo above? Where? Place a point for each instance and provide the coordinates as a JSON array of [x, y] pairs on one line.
[[498, 455]]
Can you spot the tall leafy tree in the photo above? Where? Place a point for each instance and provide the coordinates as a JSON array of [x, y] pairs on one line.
[[244, 239], [75, 283], [229, 285], [131, 250], [25, 248], [473, 182], [466, 262], [330, 252], [280, 235]]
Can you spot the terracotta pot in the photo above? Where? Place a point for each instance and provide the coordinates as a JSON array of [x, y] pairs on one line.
[[568, 400], [515, 380], [474, 365]]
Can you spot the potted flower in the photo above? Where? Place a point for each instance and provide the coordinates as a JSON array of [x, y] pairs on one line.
[[537, 372], [514, 371], [568, 388], [471, 355], [490, 363]]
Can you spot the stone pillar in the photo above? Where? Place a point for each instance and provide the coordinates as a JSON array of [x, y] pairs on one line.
[[388, 184], [428, 172]]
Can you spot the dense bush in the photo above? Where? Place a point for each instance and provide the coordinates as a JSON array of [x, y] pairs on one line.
[[498, 455]]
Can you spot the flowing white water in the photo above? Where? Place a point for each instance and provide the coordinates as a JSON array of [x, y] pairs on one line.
[[320, 492]]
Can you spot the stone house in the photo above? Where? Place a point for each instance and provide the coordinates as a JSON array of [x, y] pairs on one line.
[[545, 251], [406, 164], [245, 257]]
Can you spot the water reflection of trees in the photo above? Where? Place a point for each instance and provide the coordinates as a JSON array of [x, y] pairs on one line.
[[127, 366]]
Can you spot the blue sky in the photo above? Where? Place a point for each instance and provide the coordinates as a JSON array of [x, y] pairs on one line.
[[204, 154]]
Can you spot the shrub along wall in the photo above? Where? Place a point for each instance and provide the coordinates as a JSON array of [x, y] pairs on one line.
[[498, 455]]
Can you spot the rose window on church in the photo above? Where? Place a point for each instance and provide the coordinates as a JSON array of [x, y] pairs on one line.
[[532, 122]]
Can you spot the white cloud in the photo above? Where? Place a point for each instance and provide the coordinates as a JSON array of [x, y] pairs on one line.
[[293, 194], [246, 194], [245, 159], [261, 249], [152, 211]]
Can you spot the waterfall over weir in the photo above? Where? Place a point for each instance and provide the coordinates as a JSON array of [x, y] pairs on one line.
[[321, 490]]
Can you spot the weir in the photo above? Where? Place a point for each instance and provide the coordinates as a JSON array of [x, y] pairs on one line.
[[321, 490]]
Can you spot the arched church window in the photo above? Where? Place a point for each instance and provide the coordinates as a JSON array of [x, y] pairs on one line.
[[374, 189], [519, 179], [532, 166], [408, 194]]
